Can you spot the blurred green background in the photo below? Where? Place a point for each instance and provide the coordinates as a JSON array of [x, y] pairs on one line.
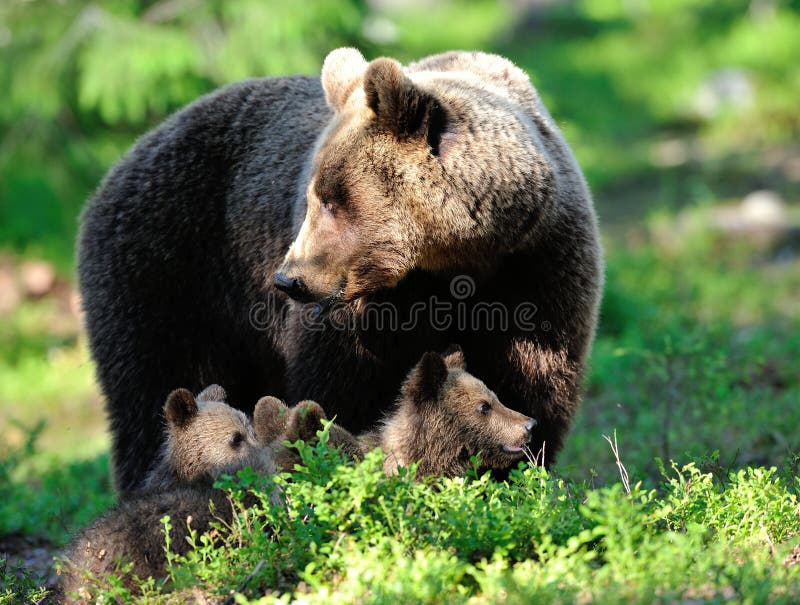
[[683, 113], [680, 97]]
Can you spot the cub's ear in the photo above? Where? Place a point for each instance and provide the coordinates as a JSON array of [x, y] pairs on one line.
[[454, 358], [181, 408], [400, 106], [341, 73], [305, 420], [269, 419], [213, 392], [424, 383]]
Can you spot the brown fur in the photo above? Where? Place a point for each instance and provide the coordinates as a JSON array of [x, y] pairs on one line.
[[207, 438], [304, 421], [198, 450], [444, 416], [404, 165], [448, 166], [132, 533], [436, 423], [377, 182]]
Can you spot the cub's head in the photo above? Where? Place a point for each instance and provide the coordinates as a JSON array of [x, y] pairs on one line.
[[417, 169], [206, 437], [457, 416], [303, 422]]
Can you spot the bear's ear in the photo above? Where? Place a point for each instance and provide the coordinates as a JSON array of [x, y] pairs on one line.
[[400, 106], [213, 392], [306, 420], [341, 73], [426, 380], [180, 408], [454, 358], [269, 419]]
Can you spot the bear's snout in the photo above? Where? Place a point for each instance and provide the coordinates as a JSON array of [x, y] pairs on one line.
[[529, 426], [294, 287]]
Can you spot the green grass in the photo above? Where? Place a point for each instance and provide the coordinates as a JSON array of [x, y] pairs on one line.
[[696, 352], [349, 534], [51, 497], [46, 375]]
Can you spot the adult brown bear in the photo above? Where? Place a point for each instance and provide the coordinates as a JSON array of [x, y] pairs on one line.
[[441, 195]]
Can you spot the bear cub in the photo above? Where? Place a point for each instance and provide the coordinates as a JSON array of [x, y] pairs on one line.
[[204, 439], [444, 416], [303, 422]]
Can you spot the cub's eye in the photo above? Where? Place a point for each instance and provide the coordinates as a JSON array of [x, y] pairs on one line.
[[236, 440], [328, 206], [484, 407]]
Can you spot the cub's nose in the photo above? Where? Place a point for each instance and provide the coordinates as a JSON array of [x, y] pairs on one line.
[[295, 287], [530, 424]]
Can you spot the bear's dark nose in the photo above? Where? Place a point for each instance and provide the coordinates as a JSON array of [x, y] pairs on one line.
[[530, 424], [295, 287]]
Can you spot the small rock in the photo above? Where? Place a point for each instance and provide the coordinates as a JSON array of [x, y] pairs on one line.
[[760, 212], [38, 278], [765, 209]]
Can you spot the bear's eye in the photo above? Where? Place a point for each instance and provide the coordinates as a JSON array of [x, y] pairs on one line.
[[328, 206], [484, 407], [236, 440]]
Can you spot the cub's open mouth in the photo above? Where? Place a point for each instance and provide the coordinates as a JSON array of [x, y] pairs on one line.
[[513, 450]]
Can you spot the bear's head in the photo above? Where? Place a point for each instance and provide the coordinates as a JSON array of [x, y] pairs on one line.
[[425, 168], [206, 437], [303, 422], [445, 415]]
